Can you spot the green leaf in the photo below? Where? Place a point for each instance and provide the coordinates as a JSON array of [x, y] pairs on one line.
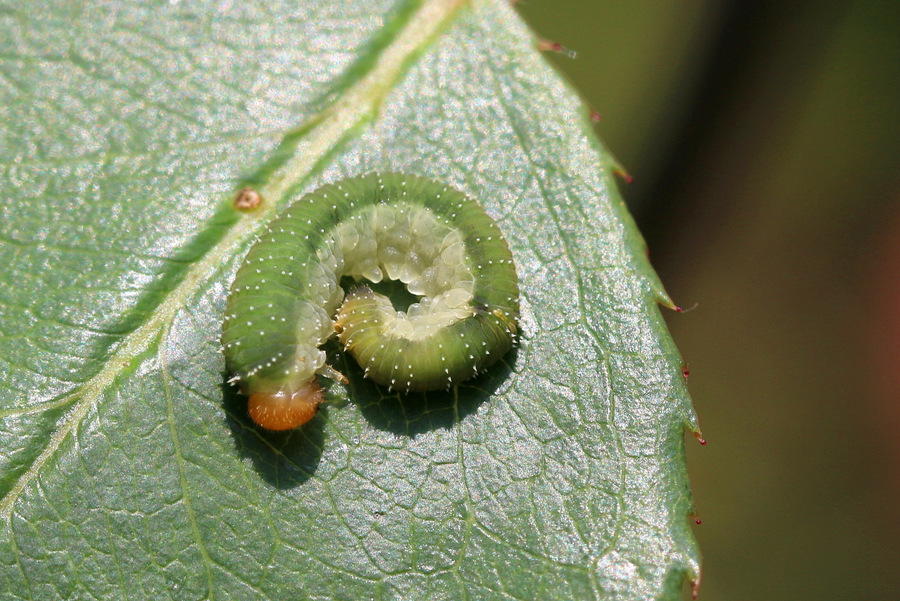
[[128, 467]]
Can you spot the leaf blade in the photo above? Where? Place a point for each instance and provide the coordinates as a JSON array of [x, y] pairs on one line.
[[487, 492]]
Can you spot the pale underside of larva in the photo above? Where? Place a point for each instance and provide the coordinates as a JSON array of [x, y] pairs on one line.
[[286, 300]]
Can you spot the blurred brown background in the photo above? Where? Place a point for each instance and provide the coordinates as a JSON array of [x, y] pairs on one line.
[[764, 142]]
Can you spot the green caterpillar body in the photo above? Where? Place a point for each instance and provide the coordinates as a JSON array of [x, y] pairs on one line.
[[286, 300]]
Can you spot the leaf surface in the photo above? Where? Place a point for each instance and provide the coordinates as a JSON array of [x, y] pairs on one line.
[[128, 467]]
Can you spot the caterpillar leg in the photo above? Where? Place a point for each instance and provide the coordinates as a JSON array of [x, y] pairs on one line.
[[330, 372]]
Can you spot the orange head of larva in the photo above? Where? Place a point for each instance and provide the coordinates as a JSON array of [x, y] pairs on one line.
[[285, 410]]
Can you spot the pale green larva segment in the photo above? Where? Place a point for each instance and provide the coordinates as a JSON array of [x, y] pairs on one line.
[[286, 301]]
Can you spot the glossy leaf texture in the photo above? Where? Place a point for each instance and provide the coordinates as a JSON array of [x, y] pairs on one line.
[[128, 466]]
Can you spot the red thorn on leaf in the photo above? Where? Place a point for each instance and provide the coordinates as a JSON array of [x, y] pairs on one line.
[[595, 116], [618, 170], [696, 518], [695, 588], [699, 436], [548, 46], [685, 371], [678, 309]]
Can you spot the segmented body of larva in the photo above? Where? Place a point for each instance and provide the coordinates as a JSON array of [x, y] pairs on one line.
[[286, 300]]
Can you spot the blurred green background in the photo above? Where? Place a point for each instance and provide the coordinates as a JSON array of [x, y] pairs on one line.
[[764, 142]]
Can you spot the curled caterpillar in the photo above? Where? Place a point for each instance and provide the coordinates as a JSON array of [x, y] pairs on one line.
[[286, 300]]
